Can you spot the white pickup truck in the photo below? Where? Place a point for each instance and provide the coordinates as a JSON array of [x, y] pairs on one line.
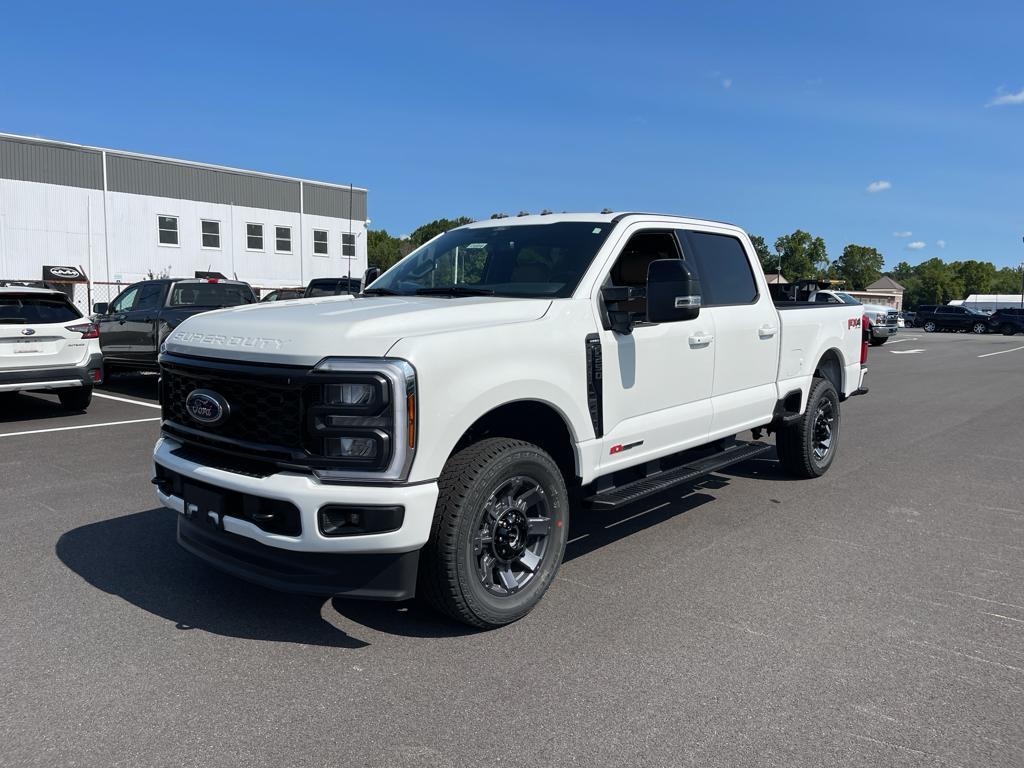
[[429, 435]]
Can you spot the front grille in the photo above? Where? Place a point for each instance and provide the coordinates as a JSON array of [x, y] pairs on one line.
[[267, 414], [892, 318]]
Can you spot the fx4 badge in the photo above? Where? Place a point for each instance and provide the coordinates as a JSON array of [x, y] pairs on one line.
[[853, 322], [620, 447]]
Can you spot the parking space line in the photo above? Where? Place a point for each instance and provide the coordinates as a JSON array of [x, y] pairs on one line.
[[124, 400], [80, 426], [1002, 352]]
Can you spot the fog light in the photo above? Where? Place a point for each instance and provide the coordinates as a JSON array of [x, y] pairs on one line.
[[351, 447], [343, 520]]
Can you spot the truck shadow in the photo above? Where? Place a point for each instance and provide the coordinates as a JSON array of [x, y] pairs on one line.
[[131, 384], [136, 558]]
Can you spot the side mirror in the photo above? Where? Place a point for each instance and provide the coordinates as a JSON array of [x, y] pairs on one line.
[[673, 294], [370, 275], [100, 308]]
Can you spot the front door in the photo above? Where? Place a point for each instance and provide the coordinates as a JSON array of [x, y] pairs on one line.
[[747, 331], [115, 339], [140, 326], [657, 380]]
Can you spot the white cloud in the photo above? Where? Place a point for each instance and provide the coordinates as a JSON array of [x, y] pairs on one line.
[[1003, 99], [879, 186], [904, 233], [940, 243], [727, 82], [917, 245]]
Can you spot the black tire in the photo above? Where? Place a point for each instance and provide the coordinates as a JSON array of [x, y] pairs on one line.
[[877, 342], [1008, 330], [930, 326], [798, 444], [75, 399], [979, 328], [454, 569]]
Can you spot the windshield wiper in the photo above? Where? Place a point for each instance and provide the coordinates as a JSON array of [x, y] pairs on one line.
[[454, 290], [382, 292]]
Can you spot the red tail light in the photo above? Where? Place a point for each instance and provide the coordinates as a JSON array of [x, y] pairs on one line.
[[865, 335], [88, 330], [211, 280]]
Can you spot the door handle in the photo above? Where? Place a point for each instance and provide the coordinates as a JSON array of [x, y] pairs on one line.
[[766, 331], [701, 339], [121, 319]]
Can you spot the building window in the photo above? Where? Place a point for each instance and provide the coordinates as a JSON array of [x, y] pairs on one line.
[[348, 245], [211, 233], [167, 229], [283, 238], [319, 242], [254, 237]]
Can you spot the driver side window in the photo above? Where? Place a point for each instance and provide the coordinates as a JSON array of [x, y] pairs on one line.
[[630, 268], [125, 301]]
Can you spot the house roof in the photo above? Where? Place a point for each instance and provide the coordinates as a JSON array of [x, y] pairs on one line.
[[884, 284], [775, 279]]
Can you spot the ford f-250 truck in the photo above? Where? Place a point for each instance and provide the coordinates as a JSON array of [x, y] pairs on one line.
[[428, 435]]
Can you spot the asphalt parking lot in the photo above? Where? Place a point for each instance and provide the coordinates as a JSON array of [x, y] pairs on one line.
[[872, 617]]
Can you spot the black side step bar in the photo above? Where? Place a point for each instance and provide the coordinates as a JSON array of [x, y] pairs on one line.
[[647, 486]]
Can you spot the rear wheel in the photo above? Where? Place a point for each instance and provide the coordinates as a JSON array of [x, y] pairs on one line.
[[75, 399], [979, 328], [498, 535], [807, 448], [929, 326], [1008, 330]]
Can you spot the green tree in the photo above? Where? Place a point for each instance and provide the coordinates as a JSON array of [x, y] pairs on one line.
[[420, 235], [939, 283], [858, 267], [1007, 280], [976, 276], [382, 250], [769, 261], [901, 272], [803, 255]]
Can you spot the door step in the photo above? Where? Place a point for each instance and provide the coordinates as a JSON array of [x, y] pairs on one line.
[[638, 489]]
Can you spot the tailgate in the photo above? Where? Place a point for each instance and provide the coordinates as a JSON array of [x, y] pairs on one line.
[[34, 332]]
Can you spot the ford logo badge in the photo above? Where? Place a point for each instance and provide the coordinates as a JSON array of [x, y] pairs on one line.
[[207, 407], [28, 331]]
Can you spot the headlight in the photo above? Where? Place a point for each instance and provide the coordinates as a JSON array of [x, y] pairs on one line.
[[880, 319], [362, 418]]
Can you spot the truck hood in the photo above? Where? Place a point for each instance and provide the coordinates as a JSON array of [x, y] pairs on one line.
[[304, 331]]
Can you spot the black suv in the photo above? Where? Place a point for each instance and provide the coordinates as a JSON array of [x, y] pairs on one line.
[[1007, 321], [948, 317]]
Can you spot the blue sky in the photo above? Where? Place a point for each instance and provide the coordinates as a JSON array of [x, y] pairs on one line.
[[770, 115]]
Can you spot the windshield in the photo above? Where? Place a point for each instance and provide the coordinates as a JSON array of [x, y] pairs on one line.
[[542, 260], [24, 309], [210, 295], [333, 287]]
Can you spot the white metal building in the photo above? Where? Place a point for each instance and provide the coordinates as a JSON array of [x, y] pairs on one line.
[[121, 216]]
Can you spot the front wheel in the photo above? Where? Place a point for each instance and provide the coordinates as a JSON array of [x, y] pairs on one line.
[[1008, 330], [979, 328], [929, 326], [807, 448], [498, 535], [878, 342]]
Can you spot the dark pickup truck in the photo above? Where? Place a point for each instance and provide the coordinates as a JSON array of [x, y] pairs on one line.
[[135, 324], [332, 286]]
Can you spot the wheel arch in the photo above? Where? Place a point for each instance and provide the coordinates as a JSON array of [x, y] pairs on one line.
[[533, 421], [832, 367]]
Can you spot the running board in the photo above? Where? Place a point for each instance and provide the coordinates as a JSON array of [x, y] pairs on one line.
[[647, 486]]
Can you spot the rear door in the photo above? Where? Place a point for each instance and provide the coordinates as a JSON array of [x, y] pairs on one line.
[[34, 331], [744, 391], [115, 339]]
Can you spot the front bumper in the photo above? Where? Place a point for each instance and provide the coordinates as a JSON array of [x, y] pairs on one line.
[[373, 565], [60, 377], [883, 331]]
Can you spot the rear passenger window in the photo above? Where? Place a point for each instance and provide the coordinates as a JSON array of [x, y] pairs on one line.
[[723, 267]]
